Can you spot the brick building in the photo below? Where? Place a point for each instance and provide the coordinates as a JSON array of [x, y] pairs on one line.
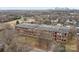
[[43, 35]]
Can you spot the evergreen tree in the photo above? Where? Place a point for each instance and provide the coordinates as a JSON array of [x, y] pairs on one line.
[[17, 22]]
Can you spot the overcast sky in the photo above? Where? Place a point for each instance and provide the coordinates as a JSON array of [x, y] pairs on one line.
[[38, 3]]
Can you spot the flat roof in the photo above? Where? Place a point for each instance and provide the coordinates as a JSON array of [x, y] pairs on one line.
[[44, 27]]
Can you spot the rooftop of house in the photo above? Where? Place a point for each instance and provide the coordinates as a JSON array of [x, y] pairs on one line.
[[56, 28]]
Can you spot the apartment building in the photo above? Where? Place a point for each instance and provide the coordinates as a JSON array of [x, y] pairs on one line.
[[42, 36]]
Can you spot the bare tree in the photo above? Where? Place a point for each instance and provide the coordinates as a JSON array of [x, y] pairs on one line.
[[8, 37]]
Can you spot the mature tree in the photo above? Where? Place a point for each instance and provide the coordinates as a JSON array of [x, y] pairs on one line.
[[48, 22], [71, 41], [8, 37], [72, 34], [59, 48], [17, 22]]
